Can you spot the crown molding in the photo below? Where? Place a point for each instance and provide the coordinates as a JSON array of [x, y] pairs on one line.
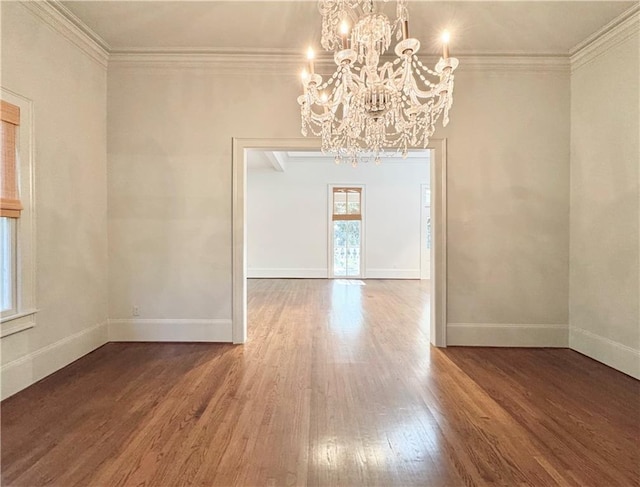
[[605, 39], [63, 21], [286, 61], [513, 63], [231, 61]]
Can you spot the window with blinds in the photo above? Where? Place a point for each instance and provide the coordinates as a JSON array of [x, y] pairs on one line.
[[346, 232], [17, 215], [10, 205], [347, 204]]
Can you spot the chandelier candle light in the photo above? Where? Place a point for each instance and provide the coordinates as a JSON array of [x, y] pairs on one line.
[[368, 106]]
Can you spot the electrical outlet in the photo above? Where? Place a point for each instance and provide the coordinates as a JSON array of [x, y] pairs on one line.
[[136, 311]]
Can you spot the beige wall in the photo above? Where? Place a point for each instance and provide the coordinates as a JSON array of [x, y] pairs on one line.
[[167, 187], [68, 91], [169, 139], [169, 143], [508, 208], [604, 304]]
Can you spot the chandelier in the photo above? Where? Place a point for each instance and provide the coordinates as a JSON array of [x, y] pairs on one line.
[[370, 103]]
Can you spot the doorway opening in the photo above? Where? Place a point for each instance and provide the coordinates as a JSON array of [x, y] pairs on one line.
[[348, 251]]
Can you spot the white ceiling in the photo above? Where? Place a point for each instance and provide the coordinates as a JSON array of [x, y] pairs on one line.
[[477, 27]]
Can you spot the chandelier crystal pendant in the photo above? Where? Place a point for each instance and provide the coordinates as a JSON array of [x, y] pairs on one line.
[[371, 104]]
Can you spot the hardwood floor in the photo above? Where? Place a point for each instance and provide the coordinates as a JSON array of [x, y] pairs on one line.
[[337, 386]]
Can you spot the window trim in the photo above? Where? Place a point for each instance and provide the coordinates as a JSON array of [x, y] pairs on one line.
[[25, 314]]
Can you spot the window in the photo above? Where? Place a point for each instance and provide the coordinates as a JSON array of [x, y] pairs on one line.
[[346, 231], [10, 205], [17, 218]]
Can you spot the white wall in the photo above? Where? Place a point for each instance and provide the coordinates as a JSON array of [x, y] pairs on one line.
[[605, 101], [68, 91], [170, 128], [287, 217]]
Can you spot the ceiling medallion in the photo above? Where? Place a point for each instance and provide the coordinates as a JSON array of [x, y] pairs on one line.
[[370, 105]]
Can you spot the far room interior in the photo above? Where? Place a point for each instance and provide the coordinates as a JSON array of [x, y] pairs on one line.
[[310, 218], [299, 208]]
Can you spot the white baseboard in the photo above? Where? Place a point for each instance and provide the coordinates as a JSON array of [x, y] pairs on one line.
[[392, 273], [168, 330], [21, 373], [505, 335], [287, 273], [614, 354], [324, 274]]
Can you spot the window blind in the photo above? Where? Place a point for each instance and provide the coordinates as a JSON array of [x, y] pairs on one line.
[[347, 204], [10, 205]]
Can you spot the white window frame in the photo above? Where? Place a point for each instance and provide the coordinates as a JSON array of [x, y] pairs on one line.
[[24, 316], [363, 239]]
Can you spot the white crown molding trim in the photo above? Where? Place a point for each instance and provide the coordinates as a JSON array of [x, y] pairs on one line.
[[79, 23], [231, 61], [507, 335], [29, 369], [170, 330], [63, 21], [286, 61], [614, 354], [509, 63], [605, 39]]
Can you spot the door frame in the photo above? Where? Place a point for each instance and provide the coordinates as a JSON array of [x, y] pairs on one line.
[[423, 233], [438, 182], [363, 251]]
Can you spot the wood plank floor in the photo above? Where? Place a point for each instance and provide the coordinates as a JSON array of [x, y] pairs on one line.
[[338, 386]]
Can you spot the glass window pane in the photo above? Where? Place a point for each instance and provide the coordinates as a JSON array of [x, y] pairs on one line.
[[353, 233], [340, 248], [353, 248], [353, 203], [7, 265], [339, 203]]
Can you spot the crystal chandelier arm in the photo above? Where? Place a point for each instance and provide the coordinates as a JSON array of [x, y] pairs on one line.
[[386, 71], [410, 85], [336, 98], [416, 92], [314, 102]]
